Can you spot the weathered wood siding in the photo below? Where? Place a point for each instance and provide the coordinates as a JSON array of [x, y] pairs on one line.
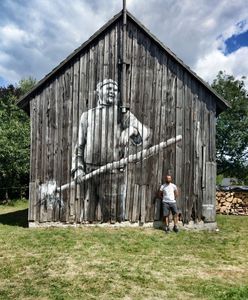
[[163, 96]]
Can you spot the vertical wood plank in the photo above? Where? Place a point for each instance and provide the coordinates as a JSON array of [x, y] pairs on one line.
[[179, 131], [132, 96], [157, 212], [60, 210], [32, 191], [74, 199], [49, 149], [44, 104], [208, 207], [143, 199], [135, 202], [57, 154]]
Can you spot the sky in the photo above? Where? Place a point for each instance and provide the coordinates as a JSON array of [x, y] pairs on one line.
[[208, 35]]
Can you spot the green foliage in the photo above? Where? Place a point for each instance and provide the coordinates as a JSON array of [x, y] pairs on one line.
[[219, 179], [14, 137], [232, 127], [26, 85]]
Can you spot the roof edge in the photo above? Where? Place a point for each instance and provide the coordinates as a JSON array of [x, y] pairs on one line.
[[222, 103], [23, 101]]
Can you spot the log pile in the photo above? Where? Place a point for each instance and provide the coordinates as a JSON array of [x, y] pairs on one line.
[[232, 203]]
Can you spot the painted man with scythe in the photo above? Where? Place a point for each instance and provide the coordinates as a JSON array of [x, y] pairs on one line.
[[104, 136]]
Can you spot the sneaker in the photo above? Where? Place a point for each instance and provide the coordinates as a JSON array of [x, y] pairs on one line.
[[175, 229], [167, 229]]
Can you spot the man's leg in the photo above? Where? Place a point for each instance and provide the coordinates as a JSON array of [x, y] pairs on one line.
[[175, 216], [166, 212], [166, 220], [175, 219]]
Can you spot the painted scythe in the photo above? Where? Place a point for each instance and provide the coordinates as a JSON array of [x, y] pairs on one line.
[[49, 189]]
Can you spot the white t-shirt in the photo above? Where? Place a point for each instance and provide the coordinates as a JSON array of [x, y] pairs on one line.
[[168, 192]]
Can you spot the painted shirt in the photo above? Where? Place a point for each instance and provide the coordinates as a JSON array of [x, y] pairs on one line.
[[168, 192], [101, 138]]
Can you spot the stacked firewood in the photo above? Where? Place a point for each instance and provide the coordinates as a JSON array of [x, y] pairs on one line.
[[232, 203]]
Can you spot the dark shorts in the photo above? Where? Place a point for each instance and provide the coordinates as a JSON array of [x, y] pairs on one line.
[[167, 207]]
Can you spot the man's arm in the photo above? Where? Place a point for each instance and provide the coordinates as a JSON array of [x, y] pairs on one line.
[[138, 128], [160, 194], [136, 131], [78, 160], [176, 192]]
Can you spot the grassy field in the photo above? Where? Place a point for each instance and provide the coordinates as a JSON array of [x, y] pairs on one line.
[[110, 263]]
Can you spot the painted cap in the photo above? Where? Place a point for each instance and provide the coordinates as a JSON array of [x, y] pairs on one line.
[[104, 82]]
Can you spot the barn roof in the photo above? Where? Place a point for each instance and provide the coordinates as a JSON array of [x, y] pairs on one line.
[[23, 102]]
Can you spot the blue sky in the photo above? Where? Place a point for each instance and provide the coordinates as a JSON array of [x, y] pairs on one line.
[[236, 41], [36, 35]]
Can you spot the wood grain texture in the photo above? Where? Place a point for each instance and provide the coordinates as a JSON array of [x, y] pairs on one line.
[[162, 95]]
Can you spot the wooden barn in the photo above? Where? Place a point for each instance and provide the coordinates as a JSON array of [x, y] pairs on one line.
[[110, 122]]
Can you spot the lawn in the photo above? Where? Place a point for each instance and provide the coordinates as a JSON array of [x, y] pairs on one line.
[[124, 263]]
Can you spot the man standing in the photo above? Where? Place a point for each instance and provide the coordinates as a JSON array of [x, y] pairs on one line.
[[104, 136], [169, 193]]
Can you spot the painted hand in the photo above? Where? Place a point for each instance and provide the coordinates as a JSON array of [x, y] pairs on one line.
[[78, 175], [124, 137], [126, 134], [133, 131]]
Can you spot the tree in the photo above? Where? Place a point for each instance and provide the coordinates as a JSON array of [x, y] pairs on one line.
[[14, 139], [232, 127]]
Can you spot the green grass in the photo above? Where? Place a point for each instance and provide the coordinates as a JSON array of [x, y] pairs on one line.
[[124, 263]]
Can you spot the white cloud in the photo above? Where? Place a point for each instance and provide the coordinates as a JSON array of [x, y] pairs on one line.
[[10, 33], [195, 30], [38, 35], [43, 33], [235, 29], [235, 63]]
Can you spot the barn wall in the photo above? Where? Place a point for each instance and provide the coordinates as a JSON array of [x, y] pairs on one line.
[[163, 96], [55, 115], [175, 103]]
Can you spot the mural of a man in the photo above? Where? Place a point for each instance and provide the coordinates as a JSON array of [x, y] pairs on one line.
[[103, 137]]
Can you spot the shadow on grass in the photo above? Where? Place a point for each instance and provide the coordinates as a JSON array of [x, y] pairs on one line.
[[16, 218]]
